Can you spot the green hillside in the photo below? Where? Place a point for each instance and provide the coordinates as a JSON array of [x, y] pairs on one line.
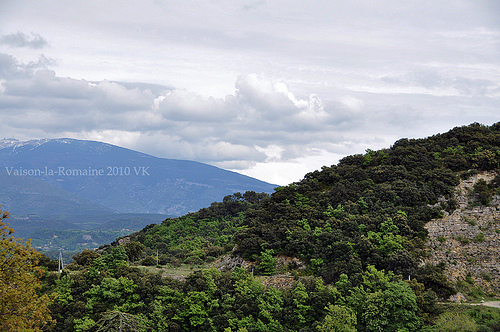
[[341, 250]]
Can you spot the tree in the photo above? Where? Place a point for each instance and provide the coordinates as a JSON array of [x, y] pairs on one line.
[[338, 319], [120, 321], [134, 250], [392, 309], [402, 307], [301, 309], [455, 322], [85, 258], [20, 306], [113, 293], [267, 264]]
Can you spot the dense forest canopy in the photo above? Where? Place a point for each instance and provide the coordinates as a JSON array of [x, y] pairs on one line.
[[369, 209], [356, 228]]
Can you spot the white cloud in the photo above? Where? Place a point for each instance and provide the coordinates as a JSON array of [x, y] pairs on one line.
[[272, 152], [276, 88], [264, 123]]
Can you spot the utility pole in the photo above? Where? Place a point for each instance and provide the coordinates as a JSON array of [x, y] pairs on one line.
[[61, 264]]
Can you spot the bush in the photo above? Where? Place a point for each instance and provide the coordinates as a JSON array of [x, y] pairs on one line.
[[482, 192], [267, 264], [470, 221], [463, 240], [479, 237], [193, 260], [455, 322], [486, 276], [149, 261]]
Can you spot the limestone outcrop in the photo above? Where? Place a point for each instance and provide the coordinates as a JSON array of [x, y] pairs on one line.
[[468, 239]]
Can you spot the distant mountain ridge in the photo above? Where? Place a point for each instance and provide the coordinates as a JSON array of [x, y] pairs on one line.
[[120, 179], [76, 182]]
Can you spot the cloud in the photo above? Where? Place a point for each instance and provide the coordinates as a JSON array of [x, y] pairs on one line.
[[435, 83], [10, 68], [248, 84], [19, 39], [254, 4], [181, 105], [263, 122]]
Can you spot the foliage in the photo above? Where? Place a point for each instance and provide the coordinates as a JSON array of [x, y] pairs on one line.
[[196, 237], [358, 226], [85, 258], [338, 319], [267, 264], [119, 321], [455, 322], [21, 308], [370, 209]]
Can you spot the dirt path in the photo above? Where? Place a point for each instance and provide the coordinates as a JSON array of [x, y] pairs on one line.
[[494, 304]]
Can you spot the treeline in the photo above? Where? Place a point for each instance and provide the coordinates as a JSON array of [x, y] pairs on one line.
[[107, 292], [194, 238]]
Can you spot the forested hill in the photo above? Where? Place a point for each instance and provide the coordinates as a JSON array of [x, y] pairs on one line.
[[367, 210], [348, 237], [370, 209]]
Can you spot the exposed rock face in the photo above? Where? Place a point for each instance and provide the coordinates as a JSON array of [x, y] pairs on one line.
[[282, 280], [468, 240], [229, 262]]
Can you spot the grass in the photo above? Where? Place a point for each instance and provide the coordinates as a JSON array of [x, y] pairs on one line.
[[486, 318], [172, 271]]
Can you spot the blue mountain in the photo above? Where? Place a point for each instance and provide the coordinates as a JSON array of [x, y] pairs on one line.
[[98, 177]]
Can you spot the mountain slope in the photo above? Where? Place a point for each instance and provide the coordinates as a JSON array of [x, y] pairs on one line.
[[23, 195], [371, 209], [120, 179], [346, 241], [467, 239]]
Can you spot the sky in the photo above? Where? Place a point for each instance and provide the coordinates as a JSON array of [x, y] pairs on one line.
[[272, 89]]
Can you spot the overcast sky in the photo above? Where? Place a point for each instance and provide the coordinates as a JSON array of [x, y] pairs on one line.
[[269, 88]]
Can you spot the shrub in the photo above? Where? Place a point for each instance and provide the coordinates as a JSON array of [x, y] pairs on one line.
[[463, 239], [486, 276], [482, 192], [149, 261], [470, 221], [193, 260], [453, 321], [479, 237]]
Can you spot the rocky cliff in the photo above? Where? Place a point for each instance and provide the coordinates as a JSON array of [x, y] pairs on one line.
[[468, 239]]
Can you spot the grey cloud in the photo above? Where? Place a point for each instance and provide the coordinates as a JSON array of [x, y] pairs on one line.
[[254, 4], [182, 105], [43, 100], [263, 95], [439, 58], [156, 89], [257, 103], [237, 130], [434, 80], [224, 130], [20, 39], [42, 62], [475, 87], [10, 68]]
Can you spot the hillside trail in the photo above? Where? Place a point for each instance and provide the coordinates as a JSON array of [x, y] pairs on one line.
[[494, 304]]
